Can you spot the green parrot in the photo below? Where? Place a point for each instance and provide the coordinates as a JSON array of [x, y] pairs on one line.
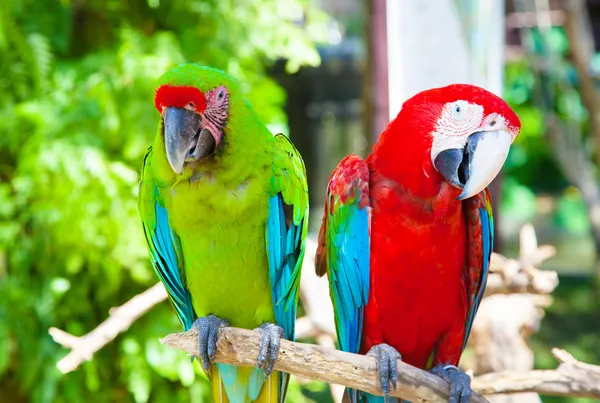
[[224, 207]]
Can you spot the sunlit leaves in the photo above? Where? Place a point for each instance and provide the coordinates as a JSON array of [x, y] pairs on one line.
[[76, 117]]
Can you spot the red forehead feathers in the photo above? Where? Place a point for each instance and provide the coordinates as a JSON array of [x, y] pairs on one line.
[[179, 97], [490, 102]]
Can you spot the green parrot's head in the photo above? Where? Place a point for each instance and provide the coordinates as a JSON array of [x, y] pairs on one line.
[[194, 103]]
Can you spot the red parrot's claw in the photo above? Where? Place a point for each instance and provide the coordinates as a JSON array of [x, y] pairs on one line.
[[386, 358], [460, 383], [208, 328]]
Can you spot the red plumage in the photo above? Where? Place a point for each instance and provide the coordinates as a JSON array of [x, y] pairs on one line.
[[179, 97], [426, 246]]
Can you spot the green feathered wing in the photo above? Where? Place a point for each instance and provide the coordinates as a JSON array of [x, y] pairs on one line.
[[164, 247], [287, 227]]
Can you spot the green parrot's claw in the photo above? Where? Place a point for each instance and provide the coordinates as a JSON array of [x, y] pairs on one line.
[[460, 383], [386, 358], [208, 329], [268, 351]]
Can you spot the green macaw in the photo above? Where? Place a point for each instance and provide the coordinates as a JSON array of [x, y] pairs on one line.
[[224, 206]]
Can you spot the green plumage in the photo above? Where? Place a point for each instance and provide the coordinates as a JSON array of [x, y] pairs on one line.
[[218, 211]]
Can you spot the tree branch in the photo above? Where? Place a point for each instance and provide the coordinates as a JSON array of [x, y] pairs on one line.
[[509, 276], [571, 378], [314, 290], [84, 347], [240, 347]]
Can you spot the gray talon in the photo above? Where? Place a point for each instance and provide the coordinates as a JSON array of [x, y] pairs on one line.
[[208, 329], [268, 351], [387, 358], [460, 383]]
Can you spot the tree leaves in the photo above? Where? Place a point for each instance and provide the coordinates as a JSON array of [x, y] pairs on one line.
[[76, 117]]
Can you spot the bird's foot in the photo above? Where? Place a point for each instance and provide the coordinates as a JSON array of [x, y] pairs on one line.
[[460, 383], [387, 365], [208, 329], [268, 351]]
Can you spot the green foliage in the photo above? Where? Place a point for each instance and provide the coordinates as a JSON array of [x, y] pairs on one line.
[[572, 214], [518, 201], [534, 91], [553, 88], [76, 117], [530, 161]]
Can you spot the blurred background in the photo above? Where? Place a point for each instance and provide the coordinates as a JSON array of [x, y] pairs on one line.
[[76, 117]]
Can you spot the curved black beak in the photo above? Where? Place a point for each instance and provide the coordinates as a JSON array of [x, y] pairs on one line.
[[473, 167], [185, 141]]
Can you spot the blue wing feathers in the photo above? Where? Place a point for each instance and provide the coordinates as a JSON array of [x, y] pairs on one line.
[[165, 259], [350, 274], [283, 249], [487, 234]]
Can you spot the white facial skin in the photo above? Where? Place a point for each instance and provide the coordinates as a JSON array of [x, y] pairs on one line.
[[458, 121]]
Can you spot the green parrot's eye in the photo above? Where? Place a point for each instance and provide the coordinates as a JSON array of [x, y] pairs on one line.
[[220, 95]]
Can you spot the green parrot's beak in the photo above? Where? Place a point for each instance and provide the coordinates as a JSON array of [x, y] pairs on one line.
[[185, 139], [474, 167]]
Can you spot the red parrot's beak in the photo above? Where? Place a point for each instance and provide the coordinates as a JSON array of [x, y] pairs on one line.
[[473, 167], [185, 139]]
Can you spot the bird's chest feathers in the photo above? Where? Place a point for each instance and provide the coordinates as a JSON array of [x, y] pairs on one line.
[[210, 197], [398, 206], [416, 235]]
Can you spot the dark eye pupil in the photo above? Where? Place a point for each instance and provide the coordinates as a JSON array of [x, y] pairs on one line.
[[458, 109], [220, 95]]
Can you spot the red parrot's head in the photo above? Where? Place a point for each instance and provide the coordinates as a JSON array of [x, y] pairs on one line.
[[461, 131]]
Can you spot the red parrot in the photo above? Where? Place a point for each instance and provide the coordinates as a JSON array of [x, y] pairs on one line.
[[407, 234]]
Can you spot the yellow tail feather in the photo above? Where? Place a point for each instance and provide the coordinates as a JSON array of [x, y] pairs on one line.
[[268, 394]]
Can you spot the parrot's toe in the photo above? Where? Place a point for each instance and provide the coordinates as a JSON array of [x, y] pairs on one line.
[[460, 383], [268, 351], [208, 329], [387, 365]]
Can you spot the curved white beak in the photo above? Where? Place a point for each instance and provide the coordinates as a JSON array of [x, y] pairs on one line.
[[487, 152]]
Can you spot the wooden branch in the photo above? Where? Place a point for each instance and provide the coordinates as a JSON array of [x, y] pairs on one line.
[[499, 339], [84, 347], [508, 276], [314, 292], [240, 347], [317, 322], [528, 19], [571, 378]]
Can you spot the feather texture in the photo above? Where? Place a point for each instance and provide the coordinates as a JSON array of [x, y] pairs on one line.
[[480, 234], [227, 236], [407, 261], [164, 248], [287, 227], [344, 249]]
